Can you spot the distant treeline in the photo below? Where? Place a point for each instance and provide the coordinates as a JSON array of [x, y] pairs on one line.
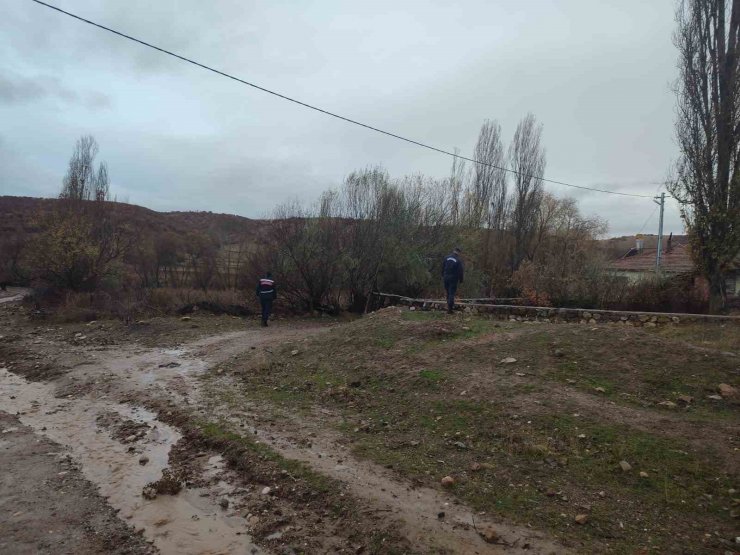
[[375, 233]]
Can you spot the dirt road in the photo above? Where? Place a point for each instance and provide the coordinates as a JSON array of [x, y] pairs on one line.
[[126, 414]]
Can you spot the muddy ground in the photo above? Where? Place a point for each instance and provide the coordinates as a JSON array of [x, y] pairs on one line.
[[208, 434]]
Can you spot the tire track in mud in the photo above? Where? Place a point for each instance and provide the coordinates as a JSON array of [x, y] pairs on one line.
[[181, 524], [172, 375]]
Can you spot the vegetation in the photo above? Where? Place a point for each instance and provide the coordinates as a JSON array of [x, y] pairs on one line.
[[707, 179], [532, 440]]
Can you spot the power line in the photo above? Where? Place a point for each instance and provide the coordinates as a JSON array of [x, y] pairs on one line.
[[326, 112]]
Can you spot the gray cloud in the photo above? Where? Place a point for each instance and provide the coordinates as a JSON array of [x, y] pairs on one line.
[[177, 137], [20, 90]]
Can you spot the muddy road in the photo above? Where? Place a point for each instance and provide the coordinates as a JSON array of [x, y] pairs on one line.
[[142, 423]]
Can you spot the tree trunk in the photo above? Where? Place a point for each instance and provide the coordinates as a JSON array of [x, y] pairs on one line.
[[717, 294]]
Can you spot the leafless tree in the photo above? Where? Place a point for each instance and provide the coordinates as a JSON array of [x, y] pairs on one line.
[[82, 182], [527, 159], [489, 187], [707, 181]]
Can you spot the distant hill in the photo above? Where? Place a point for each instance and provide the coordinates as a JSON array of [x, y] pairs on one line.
[[22, 213]]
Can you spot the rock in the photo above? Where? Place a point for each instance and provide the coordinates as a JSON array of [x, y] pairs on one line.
[[559, 353], [581, 519], [460, 445], [508, 360], [129, 439], [475, 467], [448, 482], [143, 460], [186, 318], [668, 404], [714, 397], [489, 535], [440, 515], [294, 352], [253, 520], [224, 503], [727, 391], [149, 493], [599, 390], [466, 328], [685, 399], [266, 490], [643, 474], [625, 466], [602, 494]]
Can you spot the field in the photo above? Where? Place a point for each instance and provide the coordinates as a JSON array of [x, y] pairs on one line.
[[418, 432]]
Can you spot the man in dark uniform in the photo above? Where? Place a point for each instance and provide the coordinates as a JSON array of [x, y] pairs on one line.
[[267, 293], [452, 274]]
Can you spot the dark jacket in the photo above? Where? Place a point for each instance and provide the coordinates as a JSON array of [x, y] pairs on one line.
[[266, 288], [452, 268]]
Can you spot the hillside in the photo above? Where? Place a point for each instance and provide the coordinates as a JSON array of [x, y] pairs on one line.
[[22, 213]]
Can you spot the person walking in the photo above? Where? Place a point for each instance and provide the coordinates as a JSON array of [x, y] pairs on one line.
[[452, 274], [267, 292]]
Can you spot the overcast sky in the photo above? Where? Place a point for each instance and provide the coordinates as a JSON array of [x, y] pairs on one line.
[[596, 74]]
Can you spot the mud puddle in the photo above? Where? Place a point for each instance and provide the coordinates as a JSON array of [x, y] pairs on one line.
[[186, 523]]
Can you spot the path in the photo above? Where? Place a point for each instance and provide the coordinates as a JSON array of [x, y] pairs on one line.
[[99, 378]]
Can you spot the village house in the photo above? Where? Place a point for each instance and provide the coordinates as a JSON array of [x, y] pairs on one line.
[[640, 263]]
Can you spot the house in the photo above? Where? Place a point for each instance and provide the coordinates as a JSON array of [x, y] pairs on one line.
[[639, 263]]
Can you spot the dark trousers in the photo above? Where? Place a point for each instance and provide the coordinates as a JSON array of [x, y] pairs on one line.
[[451, 288], [266, 303]]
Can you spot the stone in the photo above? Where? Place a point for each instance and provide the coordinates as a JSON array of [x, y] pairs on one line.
[[685, 399], [581, 519], [224, 503], [727, 391], [559, 353], [668, 404], [440, 515], [186, 318], [625, 466], [143, 460], [650, 324], [149, 493], [266, 490], [599, 390], [643, 474], [475, 467], [489, 535], [448, 481], [714, 397], [508, 360], [294, 352]]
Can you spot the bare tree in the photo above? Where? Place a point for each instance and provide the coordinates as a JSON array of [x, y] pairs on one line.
[[82, 182], [707, 179], [527, 159], [488, 189]]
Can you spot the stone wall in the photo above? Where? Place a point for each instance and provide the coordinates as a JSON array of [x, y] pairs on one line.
[[550, 314]]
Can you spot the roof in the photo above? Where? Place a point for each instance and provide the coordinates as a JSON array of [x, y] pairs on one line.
[[677, 261]]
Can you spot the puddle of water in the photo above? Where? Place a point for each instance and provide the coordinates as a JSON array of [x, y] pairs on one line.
[[183, 524]]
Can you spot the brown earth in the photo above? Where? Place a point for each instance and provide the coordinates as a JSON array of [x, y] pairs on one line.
[[47, 506], [353, 425]]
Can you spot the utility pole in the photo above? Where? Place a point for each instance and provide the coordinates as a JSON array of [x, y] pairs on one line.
[[658, 255]]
